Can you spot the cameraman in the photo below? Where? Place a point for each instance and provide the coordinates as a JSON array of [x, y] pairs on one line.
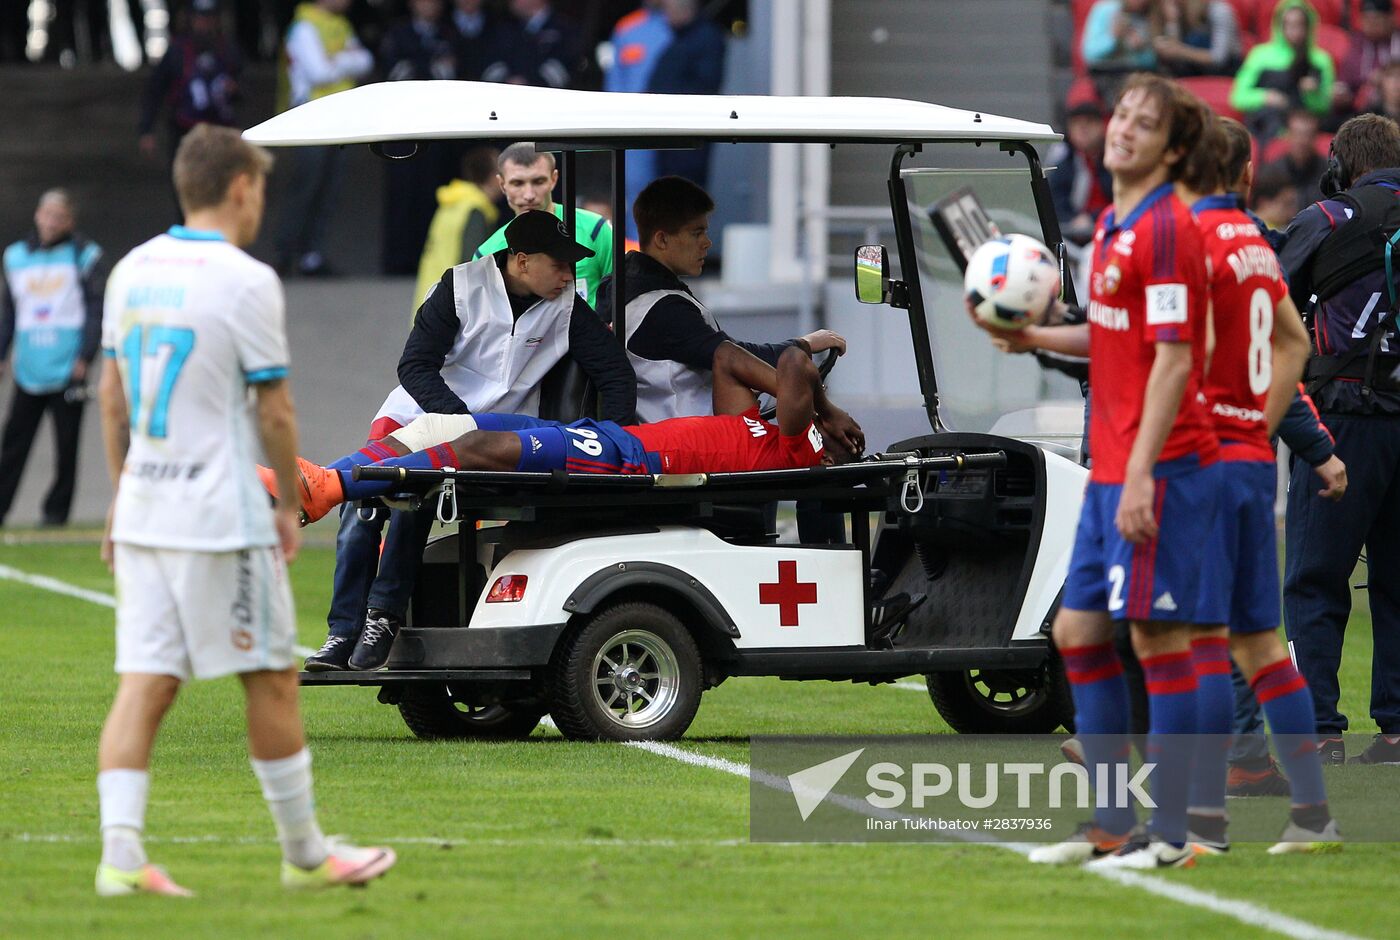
[[1338, 252]]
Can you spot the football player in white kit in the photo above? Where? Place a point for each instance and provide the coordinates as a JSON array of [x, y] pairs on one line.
[[191, 324]]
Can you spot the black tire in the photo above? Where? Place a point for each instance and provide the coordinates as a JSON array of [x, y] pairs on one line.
[[1004, 701], [432, 713], [662, 661]]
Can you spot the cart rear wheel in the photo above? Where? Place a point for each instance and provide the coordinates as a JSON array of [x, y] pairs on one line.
[[632, 672], [432, 712], [1003, 701]]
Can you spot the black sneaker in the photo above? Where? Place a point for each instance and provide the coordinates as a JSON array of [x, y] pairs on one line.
[[1384, 749], [376, 639], [1257, 781], [333, 654], [1332, 750]]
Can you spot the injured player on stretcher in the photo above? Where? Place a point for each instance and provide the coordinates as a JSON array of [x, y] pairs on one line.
[[810, 430]]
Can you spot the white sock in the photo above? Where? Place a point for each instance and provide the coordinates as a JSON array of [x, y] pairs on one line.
[[286, 785], [121, 796]]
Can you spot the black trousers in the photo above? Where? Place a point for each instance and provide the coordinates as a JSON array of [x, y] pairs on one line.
[[311, 198], [1323, 541], [21, 426]]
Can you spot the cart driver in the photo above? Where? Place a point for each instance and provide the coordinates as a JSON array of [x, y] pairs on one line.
[[672, 339], [810, 430]]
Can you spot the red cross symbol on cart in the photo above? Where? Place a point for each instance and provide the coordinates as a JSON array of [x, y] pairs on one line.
[[787, 592]]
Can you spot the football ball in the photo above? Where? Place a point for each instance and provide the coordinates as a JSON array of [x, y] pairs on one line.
[[1011, 282]]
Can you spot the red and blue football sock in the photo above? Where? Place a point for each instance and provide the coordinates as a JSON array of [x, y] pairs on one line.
[[1288, 708], [434, 458], [1101, 720], [1171, 698], [373, 452], [1215, 704]]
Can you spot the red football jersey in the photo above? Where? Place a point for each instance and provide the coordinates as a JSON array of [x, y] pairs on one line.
[[1245, 285], [727, 443], [1148, 286]]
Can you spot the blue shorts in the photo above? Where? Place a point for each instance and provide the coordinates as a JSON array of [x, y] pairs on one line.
[[586, 446], [1241, 559], [1160, 579]]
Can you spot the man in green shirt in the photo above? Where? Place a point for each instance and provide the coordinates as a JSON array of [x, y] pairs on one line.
[[528, 179]]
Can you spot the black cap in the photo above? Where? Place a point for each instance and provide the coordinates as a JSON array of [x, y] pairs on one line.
[[536, 232], [1375, 6]]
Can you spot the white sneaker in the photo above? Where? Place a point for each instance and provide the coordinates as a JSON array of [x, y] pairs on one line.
[[1149, 854], [113, 882], [1088, 843], [1295, 838], [345, 865]]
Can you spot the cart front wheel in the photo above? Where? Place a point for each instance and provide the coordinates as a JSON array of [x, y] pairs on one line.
[[1004, 701]]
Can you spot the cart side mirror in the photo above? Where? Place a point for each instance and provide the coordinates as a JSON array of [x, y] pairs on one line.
[[872, 274]]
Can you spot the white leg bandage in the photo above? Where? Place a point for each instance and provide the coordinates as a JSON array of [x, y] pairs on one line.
[[430, 430]]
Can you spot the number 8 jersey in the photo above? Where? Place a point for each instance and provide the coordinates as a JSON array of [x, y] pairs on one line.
[[1245, 286], [192, 322]]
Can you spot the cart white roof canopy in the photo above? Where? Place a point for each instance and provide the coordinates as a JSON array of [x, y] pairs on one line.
[[449, 109]]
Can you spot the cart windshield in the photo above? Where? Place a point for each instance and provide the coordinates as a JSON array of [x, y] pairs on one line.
[[979, 387]]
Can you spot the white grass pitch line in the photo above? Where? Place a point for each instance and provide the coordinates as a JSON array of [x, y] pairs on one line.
[[1243, 911], [444, 841], [45, 583], [912, 686]]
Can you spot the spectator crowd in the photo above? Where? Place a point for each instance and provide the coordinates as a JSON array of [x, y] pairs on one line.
[[1292, 70], [439, 208], [325, 46]]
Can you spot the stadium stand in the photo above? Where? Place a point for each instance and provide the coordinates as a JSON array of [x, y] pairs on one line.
[[1337, 20], [1277, 147], [1214, 90]]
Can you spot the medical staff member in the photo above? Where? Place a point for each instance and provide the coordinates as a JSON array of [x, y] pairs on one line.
[[483, 341]]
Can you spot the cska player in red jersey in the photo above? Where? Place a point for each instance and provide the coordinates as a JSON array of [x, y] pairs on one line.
[[734, 438], [1153, 492], [1258, 350]]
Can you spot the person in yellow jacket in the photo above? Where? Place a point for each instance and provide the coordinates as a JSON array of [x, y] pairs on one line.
[[466, 215], [320, 57]]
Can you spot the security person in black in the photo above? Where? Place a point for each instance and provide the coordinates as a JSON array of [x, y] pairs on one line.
[[1342, 260]]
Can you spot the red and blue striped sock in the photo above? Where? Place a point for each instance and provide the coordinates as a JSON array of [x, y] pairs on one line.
[[373, 452], [434, 458], [1215, 705], [1101, 711], [1171, 703], [1288, 708]]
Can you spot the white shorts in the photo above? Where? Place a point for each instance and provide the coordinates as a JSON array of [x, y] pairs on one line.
[[206, 614]]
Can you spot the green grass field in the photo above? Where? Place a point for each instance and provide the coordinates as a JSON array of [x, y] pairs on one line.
[[547, 837]]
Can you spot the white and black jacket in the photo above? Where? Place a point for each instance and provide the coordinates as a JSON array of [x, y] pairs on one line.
[[671, 341], [476, 348]]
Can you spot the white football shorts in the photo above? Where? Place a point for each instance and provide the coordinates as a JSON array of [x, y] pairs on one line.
[[203, 614]]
